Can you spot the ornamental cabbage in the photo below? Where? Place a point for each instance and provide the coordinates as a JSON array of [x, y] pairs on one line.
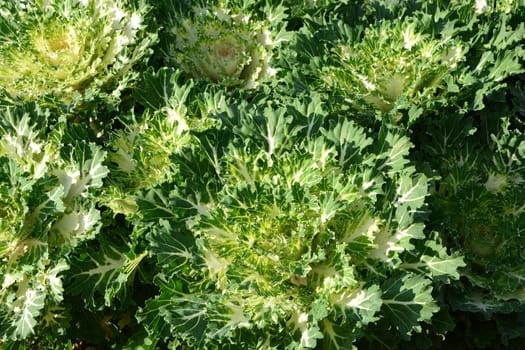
[[401, 60], [224, 41], [48, 207], [279, 174], [140, 153], [480, 203], [300, 234], [391, 62], [66, 53]]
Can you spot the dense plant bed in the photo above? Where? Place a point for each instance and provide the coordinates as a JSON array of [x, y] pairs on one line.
[[239, 174]]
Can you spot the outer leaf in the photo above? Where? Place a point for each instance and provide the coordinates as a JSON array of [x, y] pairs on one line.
[[392, 148], [26, 319], [154, 205], [350, 141], [435, 259], [157, 89], [173, 247], [335, 336], [85, 172], [407, 301], [106, 272], [411, 193]]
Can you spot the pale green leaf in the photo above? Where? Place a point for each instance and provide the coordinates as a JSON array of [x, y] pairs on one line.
[[359, 305], [350, 141], [55, 282], [392, 150], [443, 264], [411, 191], [21, 320]]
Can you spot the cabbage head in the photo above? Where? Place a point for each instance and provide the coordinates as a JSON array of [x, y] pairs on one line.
[[379, 67], [292, 236], [480, 204], [226, 41], [64, 53]]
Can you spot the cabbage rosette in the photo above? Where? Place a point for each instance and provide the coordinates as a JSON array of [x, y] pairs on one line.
[[479, 207], [224, 41], [66, 53], [296, 236], [426, 57], [391, 64]]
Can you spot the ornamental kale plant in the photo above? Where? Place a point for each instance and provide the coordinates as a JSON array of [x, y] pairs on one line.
[[413, 58], [480, 164], [392, 60], [68, 53], [238, 174], [302, 234], [228, 41], [140, 152], [48, 192]]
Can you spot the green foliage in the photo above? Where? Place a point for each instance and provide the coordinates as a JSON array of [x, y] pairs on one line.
[[237, 174], [303, 243], [69, 54], [48, 195], [482, 185], [228, 41]]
